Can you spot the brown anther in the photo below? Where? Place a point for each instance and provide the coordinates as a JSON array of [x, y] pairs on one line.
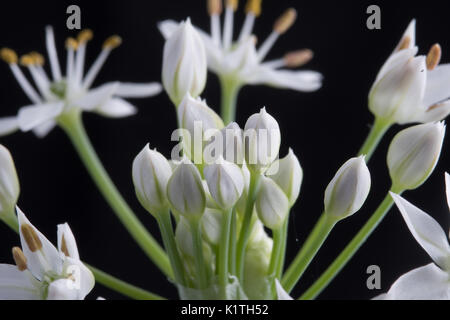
[[233, 4], [85, 36], [31, 237], [8, 55], [26, 60], [71, 43], [434, 106], [19, 258], [64, 247], [214, 7], [37, 58], [434, 56], [112, 42], [404, 44], [286, 21], [254, 7], [298, 58]]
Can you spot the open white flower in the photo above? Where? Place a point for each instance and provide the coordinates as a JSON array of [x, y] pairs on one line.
[[61, 94], [43, 272], [433, 280], [240, 61]]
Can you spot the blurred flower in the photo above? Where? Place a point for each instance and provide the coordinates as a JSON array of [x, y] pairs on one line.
[[9, 183]]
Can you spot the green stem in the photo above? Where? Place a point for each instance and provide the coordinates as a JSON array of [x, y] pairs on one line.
[[282, 257], [276, 251], [230, 90], [350, 249], [73, 126], [11, 220], [232, 250], [224, 253], [198, 252], [246, 224], [377, 132], [309, 249]]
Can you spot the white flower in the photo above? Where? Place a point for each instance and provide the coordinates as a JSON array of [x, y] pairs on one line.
[[61, 94], [432, 281], [9, 183], [240, 61], [272, 205], [411, 89], [184, 63], [42, 271]]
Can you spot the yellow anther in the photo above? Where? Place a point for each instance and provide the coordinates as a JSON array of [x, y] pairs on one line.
[[404, 44], [298, 58], [26, 60], [8, 55], [233, 4], [31, 237], [85, 36], [214, 7], [71, 43], [254, 7], [286, 20], [112, 42], [19, 258], [434, 56], [38, 58], [64, 247]]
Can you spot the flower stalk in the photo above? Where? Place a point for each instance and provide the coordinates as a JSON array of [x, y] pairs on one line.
[[230, 91], [372, 141]]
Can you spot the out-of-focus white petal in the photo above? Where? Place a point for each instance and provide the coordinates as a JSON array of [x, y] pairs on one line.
[[447, 188], [62, 289], [16, 285], [288, 79], [438, 88], [42, 130], [437, 112], [8, 125], [138, 90], [427, 232], [116, 108], [66, 241], [97, 97], [33, 116], [281, 293], [167, 28], [83, 279]]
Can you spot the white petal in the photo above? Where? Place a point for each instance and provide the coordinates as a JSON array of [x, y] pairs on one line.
[[437, 112], [167, 28], [424, 283], [97, 97], [33, 116], [281, 293], [395, 60], [426, 230], [287, 79], [438, 87], [42, 130], [447, 188], [138, 90], [16, 285], [411, 33], [8, 125], [62, 289], [84, 280], [66, 241], [116, 108]]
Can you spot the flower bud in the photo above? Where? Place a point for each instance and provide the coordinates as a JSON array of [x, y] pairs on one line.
[[272, 205], [184, 63], [225, 182], [151, 172], [348, 190], [185, 242], [229, 140], [288, 174], [262, 138], [9, 183], [413, 154], [185, 191], [212, 226]]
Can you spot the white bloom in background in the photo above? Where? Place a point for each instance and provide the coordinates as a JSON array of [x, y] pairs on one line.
[[42, 271], [63, 93], [411, 88], [414, 153], [184, 67], [430, 282], [272, 205], [151, 173], [9, 182], [348, 190], [241, 61]]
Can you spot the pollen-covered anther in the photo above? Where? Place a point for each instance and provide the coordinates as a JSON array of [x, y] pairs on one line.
[[26, 60], [254, 7], [434, 56], [404, 44], [298, 58], [71, 43], [19, 258], [38, 58], [31, 237], [112, 42], [286, 21], [8, 55], [85, 36], [214, 7], [64, 247], [233, 4]]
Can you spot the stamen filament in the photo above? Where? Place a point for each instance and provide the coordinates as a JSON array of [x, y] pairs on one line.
[[228, 27], [247, 27], [215, 29], [24, 84], [95, 68], [52, 54], [267, 45]]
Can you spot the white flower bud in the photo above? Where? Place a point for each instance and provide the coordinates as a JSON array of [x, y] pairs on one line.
[[414, 153], [212, 225], [151, 172], [185, 191], [225, 182], [185, 243], [288, 174], [262, 139], [272, 205], [9, 183], [229, 139], [184, 63], [348, 190]]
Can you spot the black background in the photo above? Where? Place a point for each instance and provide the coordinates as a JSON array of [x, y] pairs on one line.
[[324, 129]]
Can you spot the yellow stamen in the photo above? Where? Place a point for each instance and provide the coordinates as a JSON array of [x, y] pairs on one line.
[[112, 42], [434, 56], [71, 43], [31, 237], [37, 58], [298, 58], [233, 4], [254, 7], [19, 258], [285, 21], [85, 36], [8, 55], [214, 7], [26, 60], [404, 44], [64, 247]]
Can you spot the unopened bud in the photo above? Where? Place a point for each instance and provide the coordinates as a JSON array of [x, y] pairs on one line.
[[9, 183], [272, 205]]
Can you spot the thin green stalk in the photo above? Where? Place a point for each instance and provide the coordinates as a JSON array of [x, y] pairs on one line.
[[377, 132], [230, 90], [73, 126], [276, 251], [202, 275], [308, 251], [232, 250], [282, 257], [224, 253], [350, 249]]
